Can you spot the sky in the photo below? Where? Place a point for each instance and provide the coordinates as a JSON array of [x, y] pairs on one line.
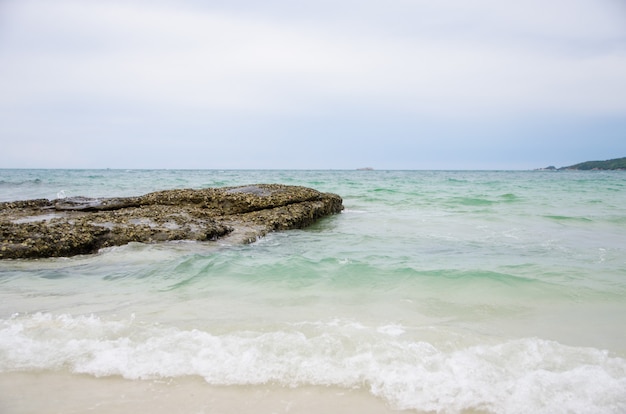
[[324, 84]]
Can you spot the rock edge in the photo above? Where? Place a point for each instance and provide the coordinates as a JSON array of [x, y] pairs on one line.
[[66, 227]]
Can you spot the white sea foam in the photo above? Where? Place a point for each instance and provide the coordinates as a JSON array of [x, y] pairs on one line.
[[391, 330], [353, 211], [525, 375]]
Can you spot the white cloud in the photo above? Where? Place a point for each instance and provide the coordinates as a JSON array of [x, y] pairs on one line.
[[143, 74], [202, 59]]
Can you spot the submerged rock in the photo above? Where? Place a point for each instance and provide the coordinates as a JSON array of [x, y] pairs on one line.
[[72, 226]]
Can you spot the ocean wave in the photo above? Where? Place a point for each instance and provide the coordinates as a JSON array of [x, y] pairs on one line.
[[9, 183], [471, 201], [569, 218], [513, 376]]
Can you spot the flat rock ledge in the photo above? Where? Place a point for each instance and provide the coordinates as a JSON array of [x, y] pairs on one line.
[[71, 226]]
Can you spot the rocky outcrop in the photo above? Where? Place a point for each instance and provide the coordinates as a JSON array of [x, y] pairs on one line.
[[72, 226]]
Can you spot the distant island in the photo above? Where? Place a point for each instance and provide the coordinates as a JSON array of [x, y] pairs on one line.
[[614, 164]]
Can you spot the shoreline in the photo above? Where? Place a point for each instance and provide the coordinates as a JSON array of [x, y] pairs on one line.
[[62, 392]]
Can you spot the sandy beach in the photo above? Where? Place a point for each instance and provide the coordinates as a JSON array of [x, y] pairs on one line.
[[22, 393]]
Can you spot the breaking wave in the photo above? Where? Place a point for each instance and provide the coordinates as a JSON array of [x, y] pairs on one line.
[[513, 376]]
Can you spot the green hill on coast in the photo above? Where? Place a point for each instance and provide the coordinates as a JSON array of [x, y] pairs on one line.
[[614, 164]]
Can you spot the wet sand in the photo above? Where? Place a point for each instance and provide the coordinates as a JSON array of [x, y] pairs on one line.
[[49, 393]]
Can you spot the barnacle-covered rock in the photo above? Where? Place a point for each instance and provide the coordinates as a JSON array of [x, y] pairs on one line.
[[71, 226]]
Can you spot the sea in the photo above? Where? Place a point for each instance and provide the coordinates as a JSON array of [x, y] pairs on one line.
[[432, 292]]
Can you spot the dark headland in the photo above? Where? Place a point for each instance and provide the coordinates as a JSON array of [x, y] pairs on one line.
[[614, 164], [71, 226]]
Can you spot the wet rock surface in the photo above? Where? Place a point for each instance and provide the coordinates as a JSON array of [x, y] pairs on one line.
[[71, 226]]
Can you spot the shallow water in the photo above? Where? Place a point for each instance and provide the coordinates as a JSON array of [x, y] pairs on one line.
[[433, 291]]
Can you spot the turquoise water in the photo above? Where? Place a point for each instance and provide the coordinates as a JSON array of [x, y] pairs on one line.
[[437, 291]]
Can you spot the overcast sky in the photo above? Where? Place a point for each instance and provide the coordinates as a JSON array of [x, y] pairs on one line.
[[338, 84]]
